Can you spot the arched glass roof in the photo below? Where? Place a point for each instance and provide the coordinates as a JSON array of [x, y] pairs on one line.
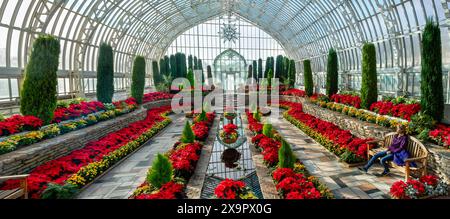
[[305, 28]]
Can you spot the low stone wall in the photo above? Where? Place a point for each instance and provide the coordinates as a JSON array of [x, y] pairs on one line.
[[438, 161], [26, 159], [157, 104]]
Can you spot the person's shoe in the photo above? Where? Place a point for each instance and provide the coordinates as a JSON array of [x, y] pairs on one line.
[[385, 173], [363, 169]]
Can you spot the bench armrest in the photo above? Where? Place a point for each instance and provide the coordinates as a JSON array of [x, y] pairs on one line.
[[18, 177], [415, 159]]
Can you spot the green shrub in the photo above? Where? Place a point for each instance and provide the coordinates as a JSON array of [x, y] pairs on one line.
[[432, 98], [161, 172], [39, 95], [195, 63], [157, 78], [369, 87], [167, 68], [332, 73], [257, 115], [56, 191], [191, 77], [260, 70], [2, 117], [279, 67], [173, 67], [286, 156], [138, 78], [105, 74], [270, 77], [292, 74], [268, 130], [162, 68], [309, 83], [420, 122], [191, 62], [188, 135]]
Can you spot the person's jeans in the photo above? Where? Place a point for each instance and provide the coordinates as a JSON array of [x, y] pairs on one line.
[[384, 156]]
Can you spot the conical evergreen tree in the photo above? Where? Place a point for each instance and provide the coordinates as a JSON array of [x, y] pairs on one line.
[[191, 62], [138, 78], [161, 172], [39, 95], [332, 73], [191, 77], [286, 156], [268, 130], [105, 74], [369, 85], [309, 83], [188, 135]]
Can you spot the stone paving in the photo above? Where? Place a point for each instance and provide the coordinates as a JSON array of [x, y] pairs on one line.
[[121, 182], [345, 182]]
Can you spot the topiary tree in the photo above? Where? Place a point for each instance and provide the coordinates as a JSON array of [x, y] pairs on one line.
[[369, 86], [161, 172], [105, 74], [332, 73], [191, 77], [157, 78], [260, 70], [266, 71], [39, 95], [255, 69], [173, 67], [191, 62], [432, 98], [188, 135], [286, 156], [162, 68], [268, 130], [250, 72], [195, 63], [269, 78], [138, 78], [309, 83], [167, 62], [286, 63], [292, 74]]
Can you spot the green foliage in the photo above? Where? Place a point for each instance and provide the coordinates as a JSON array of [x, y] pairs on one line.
[[39, 94], [332, 73], [420, 122], [161, 172], [195, 63], [157, 78], [257, 116], [181, 65], [279, 67], [167, 63], [200, 64], [56, 191], [138, 78], [250, 72], [255, 70], [105, 74], [270, 77], [424, 135], [269, 66], [188, 135], [286, 156], [173, 67], [191, 77], [350, 157], [162, 68], [209, 72], [190, 62], [309, 83], [260, 70], [202, 117], [268, 130], [432, 98], [2, 117], [292, 74], [369, 87]]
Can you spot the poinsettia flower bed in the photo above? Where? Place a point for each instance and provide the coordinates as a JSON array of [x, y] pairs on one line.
[[341, 142], [12, 143], [232, 190], [347, 99], [201, 128], [294, 92], [18, 123], [82, 166], [155, 96], [294, 183], [429, 186], [441, 135], [404, 111], [77, 110]]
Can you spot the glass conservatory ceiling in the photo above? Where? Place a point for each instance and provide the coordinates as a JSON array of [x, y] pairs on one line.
[[305, 28]]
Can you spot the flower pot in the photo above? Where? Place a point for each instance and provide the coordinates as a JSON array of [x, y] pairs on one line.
[[230, 140]]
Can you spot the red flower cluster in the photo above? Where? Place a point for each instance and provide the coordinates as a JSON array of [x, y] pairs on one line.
[[229, 189], [254, 125], [155, 96], [441, 135], [398, 189], [201, 131], [169, 191], [130, 102], [59, 170], [230, 129], [294, 92], [18, 123], [347, 99], [344, 139], [294, 185], [269, 147], [404, 111], [185, 158], [77, 110]]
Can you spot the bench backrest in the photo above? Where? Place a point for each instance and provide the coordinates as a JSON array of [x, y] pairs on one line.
[[415, 147]]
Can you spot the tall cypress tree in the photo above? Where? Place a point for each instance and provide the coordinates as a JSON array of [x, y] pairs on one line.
[[162, 67], [138, 78], [260, 70], [266, 71], [191, 77], [105, 74], [255, 69], [209, 73], [432, 99], [286, 66], [332, 73], [191, 62], [369, 86], [200, 64], [157, 78], [39, 95], [250, 72], [309, 83], [167, 62], [285, 156], [173, 67], [292, 74], [279, 67], [195, 63], [184, 69]]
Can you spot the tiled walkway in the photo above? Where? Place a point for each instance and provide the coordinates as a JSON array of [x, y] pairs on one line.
[[120, 182], [346, 183]]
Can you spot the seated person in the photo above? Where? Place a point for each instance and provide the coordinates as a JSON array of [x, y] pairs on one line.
[[396, 152]]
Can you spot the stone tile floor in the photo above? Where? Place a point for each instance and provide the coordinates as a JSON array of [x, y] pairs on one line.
[[345, 183], [121, 182]]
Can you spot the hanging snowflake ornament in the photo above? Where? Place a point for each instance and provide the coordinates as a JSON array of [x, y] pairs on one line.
[[229, 32]]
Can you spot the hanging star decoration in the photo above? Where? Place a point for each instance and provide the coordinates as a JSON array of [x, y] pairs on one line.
[[229, 33]]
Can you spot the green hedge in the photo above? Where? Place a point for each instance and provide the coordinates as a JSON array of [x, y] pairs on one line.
[[105, 74], [138, 78], [432, 99], [369, 87], [39, 94], [309, 83], [332, 73]]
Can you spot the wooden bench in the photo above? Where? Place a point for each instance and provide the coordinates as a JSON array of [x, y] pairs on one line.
[[21, 192], [418, 154]]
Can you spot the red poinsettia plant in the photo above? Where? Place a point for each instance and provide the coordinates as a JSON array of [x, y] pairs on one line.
[[201, 131], [18, 123], [404, 111], [231, 189], [184, 159], [169, 191], [426, 186], [293, 185], [155, 96], [294, 92], [441, 135], [347, 99]]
